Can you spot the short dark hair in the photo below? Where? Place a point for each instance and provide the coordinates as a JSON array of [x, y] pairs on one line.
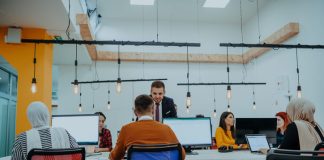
[[143, 102], [101, 114], [158, 84]]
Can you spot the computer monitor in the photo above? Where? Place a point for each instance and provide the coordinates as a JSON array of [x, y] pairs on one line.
[[191, 132], [266, 126], [83, 127]]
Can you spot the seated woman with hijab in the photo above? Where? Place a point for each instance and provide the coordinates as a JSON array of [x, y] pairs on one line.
[[41, 135], [303, 133]]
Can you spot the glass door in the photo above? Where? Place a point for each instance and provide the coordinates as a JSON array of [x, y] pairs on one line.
[[3, 125]]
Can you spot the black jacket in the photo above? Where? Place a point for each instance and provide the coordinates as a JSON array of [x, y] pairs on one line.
[[168, 108]]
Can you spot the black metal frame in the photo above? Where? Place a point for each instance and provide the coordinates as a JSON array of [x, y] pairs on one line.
[[113, 81], [65, 151], [220, 84], [112, 42], [154, 148], [265, 45]]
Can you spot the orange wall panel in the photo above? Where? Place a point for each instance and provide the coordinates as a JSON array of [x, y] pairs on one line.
[[20, 56]]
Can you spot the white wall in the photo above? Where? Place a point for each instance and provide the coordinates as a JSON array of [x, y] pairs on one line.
[[273, 67]]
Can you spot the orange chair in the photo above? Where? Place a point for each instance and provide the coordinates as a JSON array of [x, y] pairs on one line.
[[57, 154]]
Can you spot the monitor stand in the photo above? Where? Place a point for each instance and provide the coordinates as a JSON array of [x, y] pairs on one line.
[[189, 151]]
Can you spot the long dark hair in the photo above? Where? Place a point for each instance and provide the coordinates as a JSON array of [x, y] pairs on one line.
[[222, 123]]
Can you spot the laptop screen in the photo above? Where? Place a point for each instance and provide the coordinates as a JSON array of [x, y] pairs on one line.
[[256, 142]]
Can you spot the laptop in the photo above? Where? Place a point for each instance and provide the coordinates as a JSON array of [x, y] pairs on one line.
[[257, 142]]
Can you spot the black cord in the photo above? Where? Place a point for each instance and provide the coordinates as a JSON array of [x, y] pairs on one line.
[[76, 61], [34, 60], [118, 62], [80, 94], [258, 21], [297, 67], [157, 20], [242, 40], [68, 27], [188, 67], [228, 70]]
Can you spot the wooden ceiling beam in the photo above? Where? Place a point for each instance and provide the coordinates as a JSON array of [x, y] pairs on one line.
[[86, 34]]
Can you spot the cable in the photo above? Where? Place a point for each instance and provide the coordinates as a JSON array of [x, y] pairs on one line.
[[297, 67], [244, 71], [68, 27], [34, 60], [258, 22], [157, 20], [188, 67]]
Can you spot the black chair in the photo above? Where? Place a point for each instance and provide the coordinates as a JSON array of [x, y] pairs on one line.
[[319, 146], [282, 154], [62, 154], [155, 152]]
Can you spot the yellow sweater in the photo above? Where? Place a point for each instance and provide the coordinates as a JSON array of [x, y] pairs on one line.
[[225, 140]]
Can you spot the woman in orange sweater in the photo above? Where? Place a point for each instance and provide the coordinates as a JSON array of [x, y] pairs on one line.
[[225, 132]]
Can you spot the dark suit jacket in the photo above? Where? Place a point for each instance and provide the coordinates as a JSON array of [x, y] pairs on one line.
[[168, 108]]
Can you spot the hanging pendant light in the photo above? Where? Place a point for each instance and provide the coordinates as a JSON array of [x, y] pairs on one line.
[[188, 98], [33, 86], [118, 84], [108, 103], [229, 90], [80, 105], [76, 83], [299, 90]]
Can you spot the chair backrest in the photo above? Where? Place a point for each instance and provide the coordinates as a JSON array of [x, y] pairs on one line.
[[319, 146], [155, 152], [57, 154], [283, 154]]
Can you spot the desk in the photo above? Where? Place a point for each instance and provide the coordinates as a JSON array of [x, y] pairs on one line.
[[206, 155]]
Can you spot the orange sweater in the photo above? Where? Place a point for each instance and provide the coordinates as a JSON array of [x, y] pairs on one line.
[[143, 132], [223, 140]]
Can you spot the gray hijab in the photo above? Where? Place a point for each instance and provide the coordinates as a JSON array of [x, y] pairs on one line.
[[38, 114]]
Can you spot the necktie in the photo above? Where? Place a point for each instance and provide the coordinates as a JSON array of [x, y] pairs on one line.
[[157, 112]]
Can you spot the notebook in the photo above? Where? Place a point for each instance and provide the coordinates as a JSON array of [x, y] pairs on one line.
[[256, 142]]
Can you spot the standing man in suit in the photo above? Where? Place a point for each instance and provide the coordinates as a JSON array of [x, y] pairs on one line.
[[164, 106]]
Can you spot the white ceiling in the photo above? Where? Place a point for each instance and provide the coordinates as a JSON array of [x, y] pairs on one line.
[[182, 10], [52, 15]]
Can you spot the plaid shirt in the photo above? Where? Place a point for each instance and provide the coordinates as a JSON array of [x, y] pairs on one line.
[[105, 139]]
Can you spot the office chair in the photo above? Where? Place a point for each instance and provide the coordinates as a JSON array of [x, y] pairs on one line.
[[320, 147], [283, 154], [155, 152], [57, 154]]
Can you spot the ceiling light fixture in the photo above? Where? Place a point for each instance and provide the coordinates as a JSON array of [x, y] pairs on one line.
[[188, 98], [76, 83], [299, 93], [118, 84], [80, 105], [33, 86], [216, 3]]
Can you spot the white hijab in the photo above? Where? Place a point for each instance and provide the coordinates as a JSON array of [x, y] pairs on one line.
[[301, 111], [38, 114]]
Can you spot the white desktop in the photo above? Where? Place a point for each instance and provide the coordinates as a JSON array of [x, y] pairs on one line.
[[83, 127], [191, 132]]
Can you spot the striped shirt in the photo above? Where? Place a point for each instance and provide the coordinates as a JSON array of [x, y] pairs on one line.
[[48, 138]]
